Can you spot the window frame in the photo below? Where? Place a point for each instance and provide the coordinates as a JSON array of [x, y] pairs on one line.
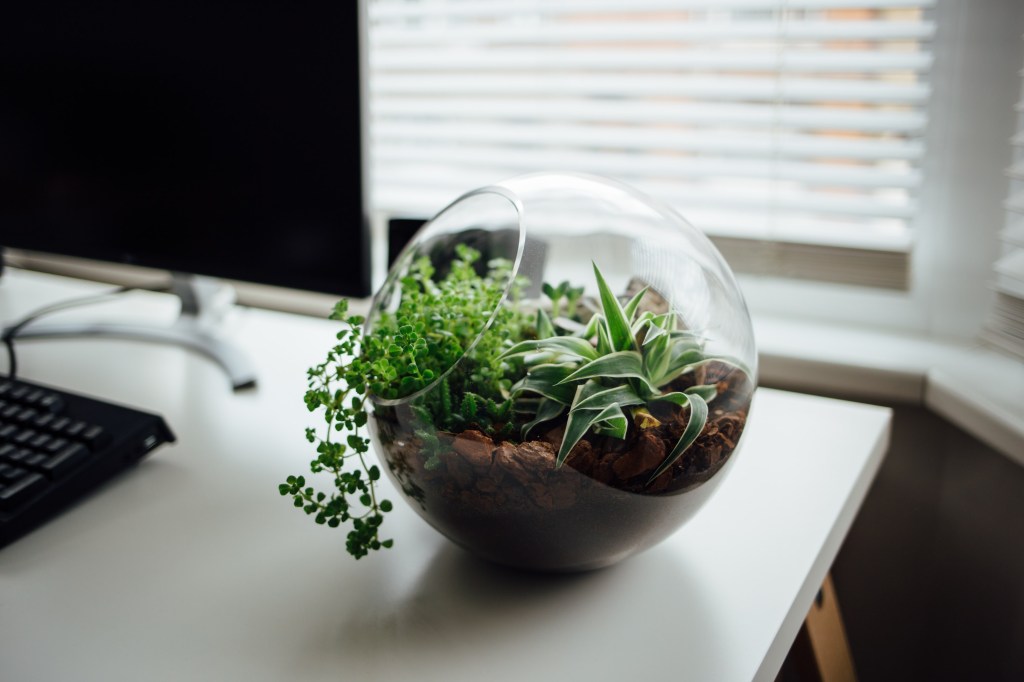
[[974, 78], [975, 83]]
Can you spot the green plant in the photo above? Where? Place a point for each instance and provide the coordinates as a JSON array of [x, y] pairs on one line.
[[557, 293], [338, 386], [622, 359], [434, 325], [450, 316]]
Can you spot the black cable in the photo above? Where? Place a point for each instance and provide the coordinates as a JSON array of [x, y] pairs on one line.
[[12, 361], [10, 332]]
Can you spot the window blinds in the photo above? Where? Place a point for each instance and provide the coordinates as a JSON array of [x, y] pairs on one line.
[[789, 131], [1006, 322]]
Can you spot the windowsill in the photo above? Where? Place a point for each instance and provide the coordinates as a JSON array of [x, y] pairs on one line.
[[976, 388]]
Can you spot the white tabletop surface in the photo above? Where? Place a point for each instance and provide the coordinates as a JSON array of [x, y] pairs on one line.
[[192, 567]]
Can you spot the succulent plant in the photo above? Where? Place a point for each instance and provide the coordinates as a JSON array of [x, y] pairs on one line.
[[623, 360]]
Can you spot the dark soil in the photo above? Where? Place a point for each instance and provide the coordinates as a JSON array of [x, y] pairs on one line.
[[480, 475]]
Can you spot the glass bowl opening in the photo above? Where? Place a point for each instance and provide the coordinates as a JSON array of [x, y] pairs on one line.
[[489, 221]]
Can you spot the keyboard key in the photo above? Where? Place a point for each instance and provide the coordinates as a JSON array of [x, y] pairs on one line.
[[51, 403], [95, 437], [55, 445], [43, 420], [25, 415], [39, 442], [23, 436], [59, 423], [34, 460], [20, 455], [75, 428], [59, 464], [13, 494], [10, 474]]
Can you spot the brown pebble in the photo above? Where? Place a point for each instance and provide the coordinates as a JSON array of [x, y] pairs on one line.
[[582, 457], [459, 471], [475, 447], [644, 457], [525, 461]]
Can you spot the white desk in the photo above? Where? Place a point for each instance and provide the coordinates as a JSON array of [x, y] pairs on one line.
[[192, 567]]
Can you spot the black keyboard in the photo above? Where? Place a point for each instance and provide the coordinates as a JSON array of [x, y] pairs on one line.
[[56, 446]]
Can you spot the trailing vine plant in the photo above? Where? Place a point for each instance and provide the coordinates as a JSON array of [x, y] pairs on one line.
[[338, 386], [434, 325]]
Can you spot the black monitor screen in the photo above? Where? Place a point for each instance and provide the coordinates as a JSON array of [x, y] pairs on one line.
[[209, 137]]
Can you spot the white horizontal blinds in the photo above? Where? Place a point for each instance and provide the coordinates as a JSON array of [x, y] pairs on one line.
[[1005, 327], [789, 131]]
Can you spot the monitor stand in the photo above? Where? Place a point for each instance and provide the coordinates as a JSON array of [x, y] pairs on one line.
[[203, 306]]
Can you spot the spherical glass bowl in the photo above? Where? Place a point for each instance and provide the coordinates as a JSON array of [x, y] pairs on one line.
[[601, 381]]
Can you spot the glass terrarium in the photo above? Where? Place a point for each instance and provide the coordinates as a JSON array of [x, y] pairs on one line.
[[573, 371]]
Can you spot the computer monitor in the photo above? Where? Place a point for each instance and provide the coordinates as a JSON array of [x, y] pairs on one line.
[[197, 136]]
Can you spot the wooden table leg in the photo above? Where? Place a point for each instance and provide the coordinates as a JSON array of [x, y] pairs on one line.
[[821, 652]]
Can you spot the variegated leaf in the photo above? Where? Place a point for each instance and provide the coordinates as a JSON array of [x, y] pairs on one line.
[[611, 421], [604, 339], [546, 380], [566, 345], [630, 308], [694, 426], [618, 323], [707, 392], [546, 411], [545, 330], [623, 364], [623, 396], [580, 421]]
